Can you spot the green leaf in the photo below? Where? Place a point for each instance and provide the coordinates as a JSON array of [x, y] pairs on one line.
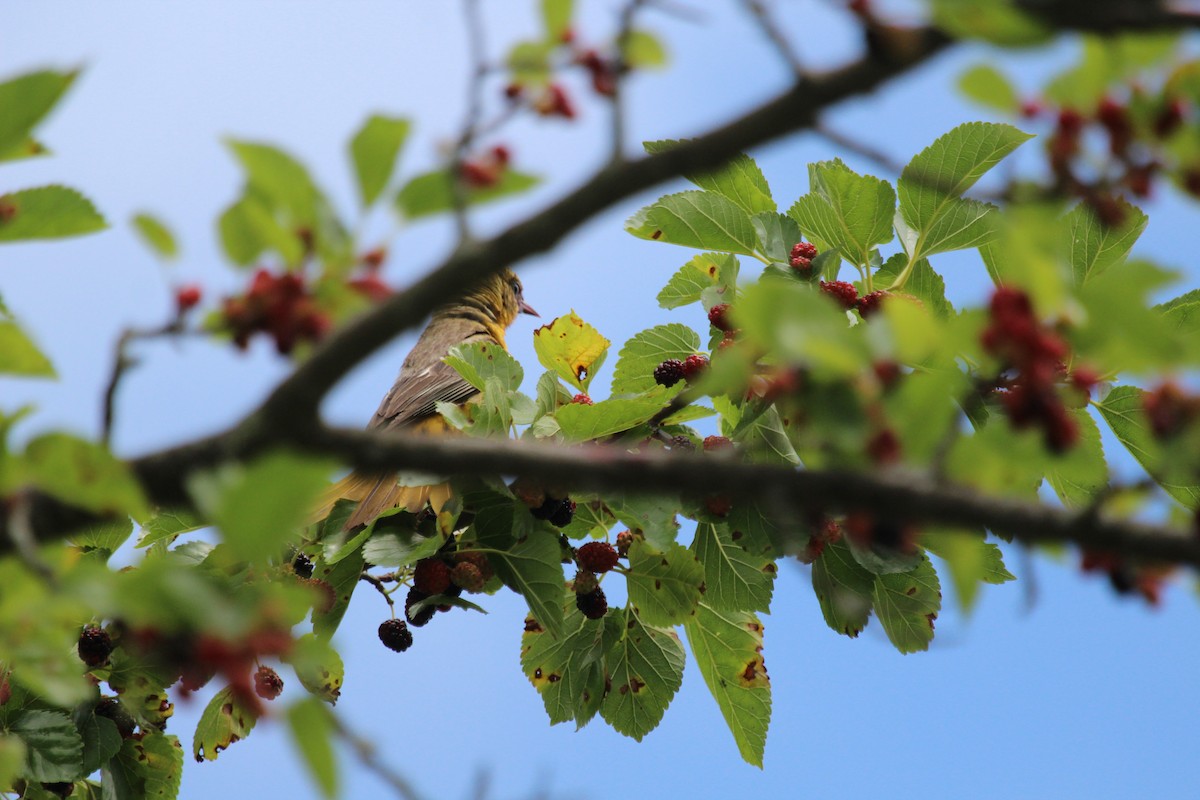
[[478, 361], [101, 739], [643, 50], [971, 561], [571, 348], [1124, 411], [318, 667], [27, 148], [312, 729], [922, 283], [225, 720], [260, 507], [47, 212], [634, 372], [569, 671], [907, 603], [156, 235], [932, 183], [54, 748], [664, 583], [763, 438], [705, 271], [374, 150], [1080, 475], [528, 558], [342, 578], [997, 21], [777, 235], [740, 180], [735, 578], [149, 769], [703, 220], [847, 211], [12, 758], [727, 646], [19, 355], [248, 228], [645, 668], [529, 62], [800, 325], [105, 536], [167, 524], [26, 100], [432, 192], [650, 517], [393, 550], [279, 179], [989, 87], [581, 423], [843, 589], [1093, 247], [556, 18], [84, 475]]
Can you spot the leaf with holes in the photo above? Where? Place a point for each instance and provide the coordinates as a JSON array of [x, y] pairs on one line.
[[225, 720]]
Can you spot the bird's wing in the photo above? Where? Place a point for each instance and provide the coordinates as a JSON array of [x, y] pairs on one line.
[[425, 380]]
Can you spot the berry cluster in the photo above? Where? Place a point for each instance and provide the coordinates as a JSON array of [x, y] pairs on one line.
[[395, 635], [1170, 410], [445, 575], [581, 399], [1138, 133], [487, 169], [279, 305], [801, 259], [187, 297], [672, 371], [845, 295], [1032, 359], [267, 683], [823, 530], [95, 646]]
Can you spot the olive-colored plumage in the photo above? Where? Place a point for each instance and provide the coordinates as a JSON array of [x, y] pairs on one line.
[[424, 380]]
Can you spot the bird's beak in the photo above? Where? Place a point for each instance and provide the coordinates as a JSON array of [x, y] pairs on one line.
[[528, 309]]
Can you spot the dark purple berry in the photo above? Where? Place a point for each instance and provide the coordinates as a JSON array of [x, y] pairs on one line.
[[95, 646], [669, 372], [395, 635], [593, 604]]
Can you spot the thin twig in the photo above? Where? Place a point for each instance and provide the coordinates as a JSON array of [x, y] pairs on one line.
[[620, 68], [123, 362], [883, 160], [766, 23], [378, 584], [364, 750], [476, 46]]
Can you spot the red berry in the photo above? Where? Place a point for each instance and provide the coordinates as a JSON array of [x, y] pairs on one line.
[[395, 635], [581, 400], [712, 443], [884, 447], [5, 690], [1169, 118], [596, 557], [1070, 121], [804, 250], [593, 604], [555, 102], [844, 293], [870, 303], [95, 646], [480, 175], [669, 372], [693, 365], [624, 540], [187, 297], [1032, 108], [718, 317], [477, 560], [431, 576], [373, 259], [467, 575], [371, 286], [718, 505], [501, 154], [267, 683]]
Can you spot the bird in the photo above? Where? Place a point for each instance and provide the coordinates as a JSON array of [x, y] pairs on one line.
[[482, 315]]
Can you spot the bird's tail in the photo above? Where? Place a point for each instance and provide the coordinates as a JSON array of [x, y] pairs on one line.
[[376, 494]]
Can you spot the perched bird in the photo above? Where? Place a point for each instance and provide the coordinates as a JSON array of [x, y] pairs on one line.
[[424, 380]]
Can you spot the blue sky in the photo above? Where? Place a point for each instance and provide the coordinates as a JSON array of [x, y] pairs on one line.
[[1081, 694]]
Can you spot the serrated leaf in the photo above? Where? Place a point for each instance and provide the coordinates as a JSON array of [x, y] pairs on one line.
[[989, 87], [932, 183], [843, 588], [1123, 410], [650, 517], [312, 730], [582, 423], [777, 235], [100, 737], [634, 372], [25, 100], [645, 668], [53, 747], [261, 507], [845, 211], [479, 361], [689, 282], [47, 212], [971, 561], [727, 647], [1093, 247], [1080, 475], [20, 356], [433, 193], [156, 235], [703, 220], [922, 283], [907, 603], [103, 536], [318, 667], [279, 179], [342, 578], [763, 438], [374, 150], [569, 671], [225, 720], [150, 768], [571, 348], [83, 474], [664, 583], [167, 524], [739, 180], [735, 578], [528, 561]]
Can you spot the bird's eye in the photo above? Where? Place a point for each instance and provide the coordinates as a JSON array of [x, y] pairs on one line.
[[516, 287]]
